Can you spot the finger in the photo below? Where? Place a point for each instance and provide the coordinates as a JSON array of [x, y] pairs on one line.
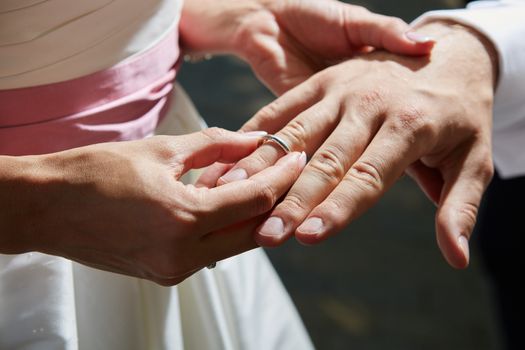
[[277, 114], [391, 151], [365, 28], [203, 148], [212, 173], [228, 242], [428, 179], [306, 133], [323, 173], [271, 118], [463, 189], [225, 205]]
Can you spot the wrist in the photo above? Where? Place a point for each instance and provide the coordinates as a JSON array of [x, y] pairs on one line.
[[211, 27], [463, 46]]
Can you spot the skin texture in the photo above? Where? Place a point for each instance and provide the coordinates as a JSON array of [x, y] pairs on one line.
[[121, 207], [286, 41], [368, 120]]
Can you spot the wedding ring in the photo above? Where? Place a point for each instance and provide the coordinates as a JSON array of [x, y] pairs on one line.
[[278, 141]]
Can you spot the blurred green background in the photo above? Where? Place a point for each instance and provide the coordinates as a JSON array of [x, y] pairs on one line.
[[382, 283]]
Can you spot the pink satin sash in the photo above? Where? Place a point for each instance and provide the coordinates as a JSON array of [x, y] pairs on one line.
[[124, 102]]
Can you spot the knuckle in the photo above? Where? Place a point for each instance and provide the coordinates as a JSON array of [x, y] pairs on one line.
[[295, 133], [394, 22], [294, 205], [411, 120], [371, 101], [330, 161], [368, 175], [469, 211], [320, 83], [332, 211], [294, 208], [486, 171], [265, 197], [189, 207], [371, 96], [214, 133], [265, 115]]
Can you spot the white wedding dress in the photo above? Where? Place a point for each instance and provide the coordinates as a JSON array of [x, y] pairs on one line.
[[51, 303]]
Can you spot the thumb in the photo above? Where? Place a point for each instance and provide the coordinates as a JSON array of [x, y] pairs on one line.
[[365, 28], [457, 211]]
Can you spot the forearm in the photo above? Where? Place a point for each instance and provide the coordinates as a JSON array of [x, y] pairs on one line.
[[18, 177]]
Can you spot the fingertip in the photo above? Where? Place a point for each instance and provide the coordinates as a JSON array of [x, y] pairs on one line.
[[464, 246], [307, 239], [419, 38], [409, 43], [269, 241], [311, 231], [271, 233], [406, 47], [452, 243], [421, 44]]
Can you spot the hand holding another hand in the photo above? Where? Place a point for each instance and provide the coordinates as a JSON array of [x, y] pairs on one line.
[[121, 207]]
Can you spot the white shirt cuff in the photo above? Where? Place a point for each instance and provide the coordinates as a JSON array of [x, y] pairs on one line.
[[503, 23]]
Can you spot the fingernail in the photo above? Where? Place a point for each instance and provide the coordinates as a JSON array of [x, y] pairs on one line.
[[302, 160], [254, 134], [312, 226], [235, 175], [274, 226], [463, 244], [418, 37], [299, 158]]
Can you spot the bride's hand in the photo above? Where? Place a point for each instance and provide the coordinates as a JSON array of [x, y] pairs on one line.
[[286, 41], [121, 207]]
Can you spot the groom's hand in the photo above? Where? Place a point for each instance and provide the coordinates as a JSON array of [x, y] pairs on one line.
[[367, 121]]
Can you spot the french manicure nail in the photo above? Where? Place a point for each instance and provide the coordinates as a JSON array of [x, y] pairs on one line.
[[302, 160], [274, 227], [463, 244], [312, 226], [235, 175], [418, 37], [289, 158], [254, 134]]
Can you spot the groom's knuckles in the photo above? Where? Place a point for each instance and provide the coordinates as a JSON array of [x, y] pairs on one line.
[[294, 206], [329, 164], [366, 174], [297, 133]]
